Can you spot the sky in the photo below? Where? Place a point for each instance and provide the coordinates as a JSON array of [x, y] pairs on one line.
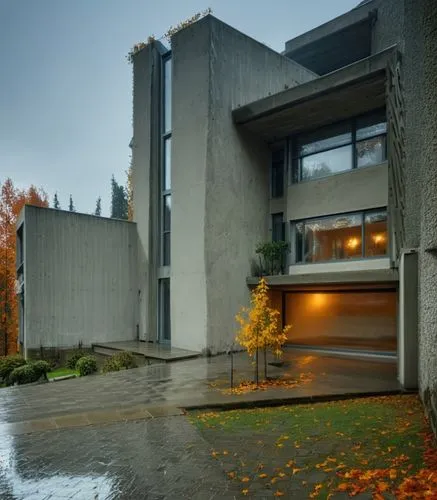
[[66, 85]]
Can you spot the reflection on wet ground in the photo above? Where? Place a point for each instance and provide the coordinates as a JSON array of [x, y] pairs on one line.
[[121, 435], [153, 459]]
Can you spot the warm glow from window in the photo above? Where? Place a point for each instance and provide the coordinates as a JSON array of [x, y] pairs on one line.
[[352, 243], [378, 238], [318, 300]]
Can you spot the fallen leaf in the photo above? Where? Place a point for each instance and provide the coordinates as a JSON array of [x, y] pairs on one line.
[[245, 479], [245, 491], [278, 493]]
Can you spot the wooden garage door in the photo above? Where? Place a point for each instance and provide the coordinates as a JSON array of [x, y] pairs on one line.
[[343, 319]]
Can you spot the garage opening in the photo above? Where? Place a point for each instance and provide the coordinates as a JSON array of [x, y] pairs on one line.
[[349, 319]]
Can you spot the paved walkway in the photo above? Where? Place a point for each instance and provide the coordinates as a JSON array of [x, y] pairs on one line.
[[124, 436], [188, 384]]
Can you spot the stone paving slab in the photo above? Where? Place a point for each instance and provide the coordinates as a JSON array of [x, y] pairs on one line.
[[99, 417], [162, 458]]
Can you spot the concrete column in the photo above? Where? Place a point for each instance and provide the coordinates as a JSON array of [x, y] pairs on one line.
[[408, 319]]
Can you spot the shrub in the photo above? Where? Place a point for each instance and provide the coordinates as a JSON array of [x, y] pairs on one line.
[[119, 361], [24, 374], [86, 365], [74, 358], [8, 364], [126, 359], [111, 365], [41, 368]]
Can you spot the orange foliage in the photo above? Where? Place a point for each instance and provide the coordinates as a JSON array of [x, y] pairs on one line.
[[12, 201]]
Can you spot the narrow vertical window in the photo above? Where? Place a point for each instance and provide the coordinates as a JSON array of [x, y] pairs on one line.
[[167, 95], [277, 170], [278, 227], [165, 203]]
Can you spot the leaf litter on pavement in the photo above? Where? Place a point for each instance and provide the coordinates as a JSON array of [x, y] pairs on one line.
[[381, 446]]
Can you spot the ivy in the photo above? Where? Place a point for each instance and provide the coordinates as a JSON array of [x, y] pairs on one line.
[[138, 47]]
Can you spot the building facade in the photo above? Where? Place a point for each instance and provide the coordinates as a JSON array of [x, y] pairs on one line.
[[329, 146]]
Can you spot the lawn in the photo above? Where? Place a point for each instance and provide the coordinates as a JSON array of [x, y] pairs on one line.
[[61, 372], [381, 446]]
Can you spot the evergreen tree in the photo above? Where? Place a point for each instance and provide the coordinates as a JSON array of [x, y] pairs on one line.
[[56, 203], [71, 205], [119, 203], [98, 210]]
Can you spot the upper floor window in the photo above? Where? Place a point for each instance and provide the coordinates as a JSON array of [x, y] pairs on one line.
[[341, 147], [167, 94], [277, 173], [347, 236]]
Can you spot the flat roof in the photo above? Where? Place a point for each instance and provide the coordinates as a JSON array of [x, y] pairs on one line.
[[346, 92]]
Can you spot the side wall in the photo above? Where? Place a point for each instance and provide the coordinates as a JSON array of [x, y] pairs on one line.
[[141, 148], [190, 91], [80, 282], [242, 70], [422, 34]]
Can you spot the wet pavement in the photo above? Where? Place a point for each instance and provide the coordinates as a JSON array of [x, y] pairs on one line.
[[150, 459], [123, 435], [188, 384]]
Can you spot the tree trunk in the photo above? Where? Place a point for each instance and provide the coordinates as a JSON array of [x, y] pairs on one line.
[[256, 368], [265, 362]]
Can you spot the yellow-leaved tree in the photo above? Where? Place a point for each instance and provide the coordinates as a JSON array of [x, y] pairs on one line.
[[260, 327]]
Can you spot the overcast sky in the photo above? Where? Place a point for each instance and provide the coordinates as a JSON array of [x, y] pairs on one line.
[[66, 86]]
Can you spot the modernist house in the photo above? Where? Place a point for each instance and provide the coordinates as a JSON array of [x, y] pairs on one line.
[[329, 145]]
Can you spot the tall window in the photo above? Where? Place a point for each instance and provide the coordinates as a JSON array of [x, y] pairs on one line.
[[277, 173], [355, 143], [278, 228], [347, 236], [165, 209]]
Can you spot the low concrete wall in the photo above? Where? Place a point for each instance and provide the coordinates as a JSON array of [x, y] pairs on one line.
[[80, 280], [359, 189]]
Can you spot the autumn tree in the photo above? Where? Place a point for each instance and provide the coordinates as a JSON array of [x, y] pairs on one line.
[[260, 327], [12, 201], [56, 203], [71, 207], [98, 210]]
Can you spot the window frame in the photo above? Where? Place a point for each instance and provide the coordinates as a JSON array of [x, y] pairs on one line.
[[362, 214], [164, 190], [295, 159]]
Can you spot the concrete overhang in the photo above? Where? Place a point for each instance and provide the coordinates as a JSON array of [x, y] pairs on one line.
[[379, 276], [347, 92], [335, 44]]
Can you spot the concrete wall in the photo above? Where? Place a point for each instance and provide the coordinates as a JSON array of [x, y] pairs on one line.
[[360, 189], [421, 42], [80, 279], [190, 103], [141, 150], [237, 198], [389, 27], [219, 176]]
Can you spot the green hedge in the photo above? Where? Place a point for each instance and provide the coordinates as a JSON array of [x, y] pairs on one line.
[[86, 365], [8, 365], [121, 361], [74, 358]]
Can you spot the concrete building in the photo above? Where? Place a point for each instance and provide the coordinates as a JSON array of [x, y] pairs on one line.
[[329, 146]]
